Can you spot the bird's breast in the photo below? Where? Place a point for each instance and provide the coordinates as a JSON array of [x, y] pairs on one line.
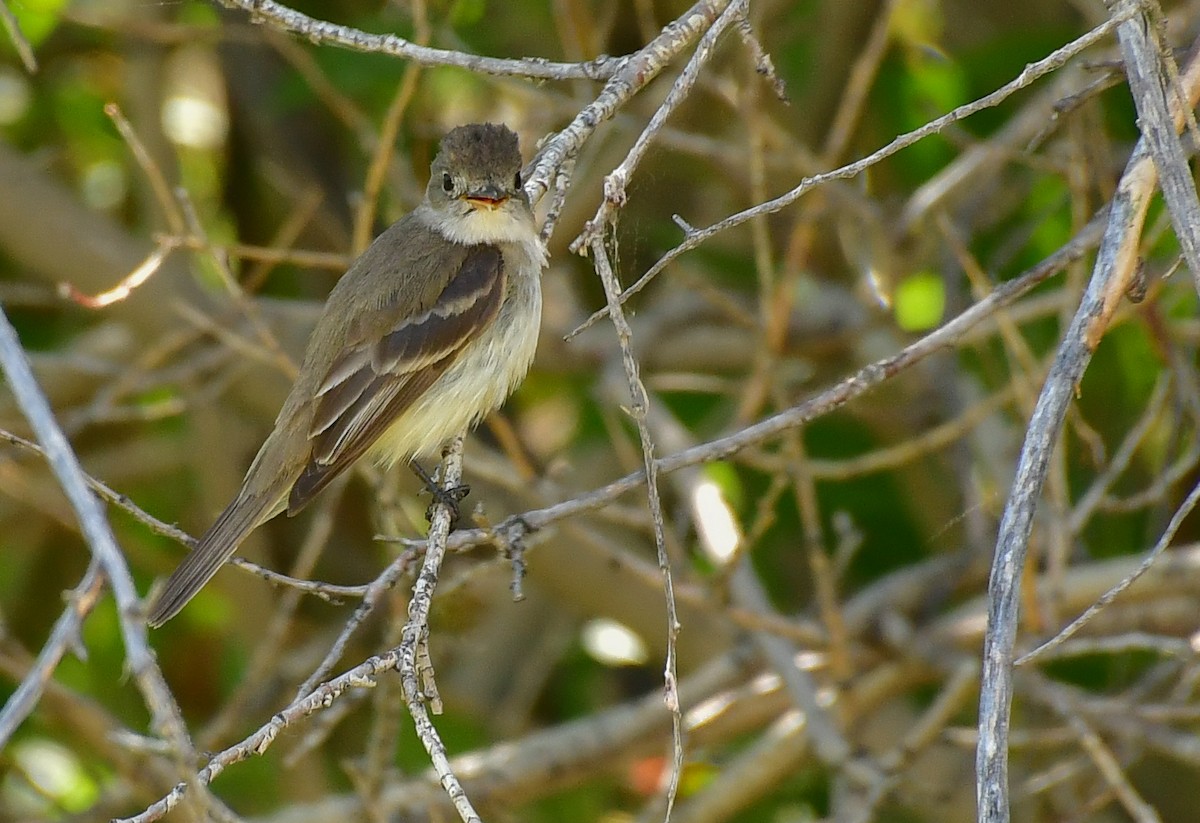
[[484, 374]]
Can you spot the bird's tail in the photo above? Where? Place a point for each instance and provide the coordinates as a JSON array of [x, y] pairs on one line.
[[221, 540]]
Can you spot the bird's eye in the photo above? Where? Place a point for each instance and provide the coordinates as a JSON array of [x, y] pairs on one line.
[[517, 181], [447, 183]]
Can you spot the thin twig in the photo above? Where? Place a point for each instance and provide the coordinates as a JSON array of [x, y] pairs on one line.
[[1115, 265], [415, 681], [1148, 81], [1109, 596], [640, 402], [282, 18], [65, 465], [65, 635]]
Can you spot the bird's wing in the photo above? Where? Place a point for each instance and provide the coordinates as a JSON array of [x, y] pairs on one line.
[[384, 369]]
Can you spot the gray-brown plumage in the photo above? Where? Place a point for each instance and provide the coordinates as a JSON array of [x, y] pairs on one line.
[[429, 330]]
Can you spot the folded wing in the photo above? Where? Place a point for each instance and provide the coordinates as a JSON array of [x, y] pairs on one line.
[[381, 374]]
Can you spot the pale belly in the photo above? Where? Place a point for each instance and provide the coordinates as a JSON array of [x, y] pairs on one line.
[[482, 378]]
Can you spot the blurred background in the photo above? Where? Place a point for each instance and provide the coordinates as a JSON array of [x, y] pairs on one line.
[[254, 165]]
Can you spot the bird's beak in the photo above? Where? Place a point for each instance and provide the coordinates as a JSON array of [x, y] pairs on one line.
[[487, 197]]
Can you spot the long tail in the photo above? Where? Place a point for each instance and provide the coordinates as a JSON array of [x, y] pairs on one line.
[[240, 518]]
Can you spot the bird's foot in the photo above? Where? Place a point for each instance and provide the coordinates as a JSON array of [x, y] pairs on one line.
[[449, 497]]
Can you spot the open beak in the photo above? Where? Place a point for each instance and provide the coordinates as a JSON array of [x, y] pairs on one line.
[[486, 197]]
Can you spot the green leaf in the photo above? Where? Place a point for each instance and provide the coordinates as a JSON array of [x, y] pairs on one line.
[[920, 301]]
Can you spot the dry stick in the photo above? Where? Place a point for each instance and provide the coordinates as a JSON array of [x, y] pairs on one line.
[[1051, 62], [1121, 644], [322, 32], [373, 593], [300, 213], [416, 680], [248, 308], [367, 771], [341, 107], [360, 677], [1115, 265], [171, 213], [1148, 80], [332, 593], [116, 498], [329, 592], [562, 182], [334, 261], [65, 465], [319, 698], [746, 591], [764, 66], [80, 603], [154, 175], [637, 410], [853, 98], [904, 452]]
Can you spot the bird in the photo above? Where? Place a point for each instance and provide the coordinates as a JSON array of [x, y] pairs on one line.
[[428, 331]]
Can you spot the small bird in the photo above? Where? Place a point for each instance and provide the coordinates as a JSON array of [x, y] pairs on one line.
[[428, 331]]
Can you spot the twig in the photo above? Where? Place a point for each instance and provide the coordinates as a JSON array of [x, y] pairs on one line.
[[415, 679], [127, 285], [771, 759], [516, 771], [958, 691], [1115, 264], [333, 261], [158, 181], [249, 309], [763, 64], [637, 410], [1086, 506], [375, 590], [322, 32], [1100, 754], [116, 498], [103, 546], [271, 637], [65, 634], [858, 84], [1109, 596], [1148, 80], [332, 593], [360, 677]]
